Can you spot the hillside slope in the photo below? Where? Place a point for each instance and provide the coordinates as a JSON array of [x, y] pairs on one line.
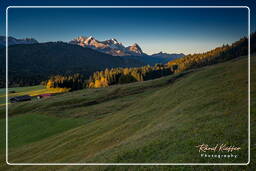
[[160, 120]]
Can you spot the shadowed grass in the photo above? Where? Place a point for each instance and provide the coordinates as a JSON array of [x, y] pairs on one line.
[[153, 121]]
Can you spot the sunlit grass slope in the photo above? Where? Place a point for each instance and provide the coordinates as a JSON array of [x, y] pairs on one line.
[[157, 121], [20, 91]]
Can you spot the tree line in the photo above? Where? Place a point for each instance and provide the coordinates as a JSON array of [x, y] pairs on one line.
[[114, 76], [219, 54], [71, 82]]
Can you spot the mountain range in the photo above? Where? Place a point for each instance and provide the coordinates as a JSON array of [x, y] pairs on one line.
[[115, 48], [14, 41], [111, 47], [168, 56]]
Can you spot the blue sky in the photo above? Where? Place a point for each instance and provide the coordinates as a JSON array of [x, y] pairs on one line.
[[168, 30]]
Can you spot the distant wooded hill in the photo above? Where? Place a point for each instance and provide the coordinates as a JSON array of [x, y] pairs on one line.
[[29, 64], [155, 58]]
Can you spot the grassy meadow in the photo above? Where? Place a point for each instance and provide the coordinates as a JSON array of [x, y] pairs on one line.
[[20, 91], [156, 121]]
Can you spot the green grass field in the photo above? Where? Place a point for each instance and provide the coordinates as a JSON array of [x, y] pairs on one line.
[[18, 91], [159, 121]]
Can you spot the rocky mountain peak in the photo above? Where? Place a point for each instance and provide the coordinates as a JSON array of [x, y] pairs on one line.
[[111, 46]]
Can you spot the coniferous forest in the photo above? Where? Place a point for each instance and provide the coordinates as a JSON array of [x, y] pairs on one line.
[[30, 64], [114, 76]]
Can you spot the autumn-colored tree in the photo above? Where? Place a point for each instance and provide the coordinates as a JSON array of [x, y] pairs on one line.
[[50, 84], [72, 82]]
